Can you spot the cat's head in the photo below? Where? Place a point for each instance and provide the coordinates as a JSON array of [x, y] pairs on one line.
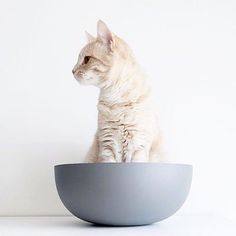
[[102, 58]]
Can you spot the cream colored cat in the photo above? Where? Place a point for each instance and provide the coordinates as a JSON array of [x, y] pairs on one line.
[[127, 125]]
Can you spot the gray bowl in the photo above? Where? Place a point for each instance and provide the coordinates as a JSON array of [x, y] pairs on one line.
[[123, 194]]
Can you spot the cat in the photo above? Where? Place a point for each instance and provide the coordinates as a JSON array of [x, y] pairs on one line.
[[128, 128]]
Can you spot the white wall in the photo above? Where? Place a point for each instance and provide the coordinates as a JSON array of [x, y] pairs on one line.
[[46, 117]]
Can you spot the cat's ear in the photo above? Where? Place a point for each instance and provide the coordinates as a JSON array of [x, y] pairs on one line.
[[104, 35], [89, 37]]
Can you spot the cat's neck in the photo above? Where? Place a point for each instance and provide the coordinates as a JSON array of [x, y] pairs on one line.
[[130, 86]]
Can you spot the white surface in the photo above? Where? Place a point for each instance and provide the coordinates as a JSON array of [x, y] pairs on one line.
[[46, 117], [177, 226]]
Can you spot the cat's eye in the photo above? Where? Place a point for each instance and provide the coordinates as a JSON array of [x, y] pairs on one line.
[[86, 59]]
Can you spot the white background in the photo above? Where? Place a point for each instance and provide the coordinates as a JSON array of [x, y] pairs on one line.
[[187, 47]]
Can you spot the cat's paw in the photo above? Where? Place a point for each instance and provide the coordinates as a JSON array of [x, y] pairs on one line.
[[106, 160], [139, 156], [106, 155]]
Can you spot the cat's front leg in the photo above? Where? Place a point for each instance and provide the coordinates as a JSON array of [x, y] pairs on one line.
[[139, 156], [106, 155]]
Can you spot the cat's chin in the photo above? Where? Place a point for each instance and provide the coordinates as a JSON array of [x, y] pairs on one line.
[[83, 81], [80, 80], [88, 79]]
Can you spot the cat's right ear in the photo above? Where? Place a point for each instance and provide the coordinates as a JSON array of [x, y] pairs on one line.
[[89, 37], [104, 35]]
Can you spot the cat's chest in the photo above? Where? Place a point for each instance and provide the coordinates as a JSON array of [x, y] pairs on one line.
[[120, 129], [119, 120], [117, 135], [118, 124]]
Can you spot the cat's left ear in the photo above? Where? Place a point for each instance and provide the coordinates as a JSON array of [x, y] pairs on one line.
[[104, 35]]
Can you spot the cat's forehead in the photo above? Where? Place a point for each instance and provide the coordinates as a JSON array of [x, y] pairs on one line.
[[94, 49]]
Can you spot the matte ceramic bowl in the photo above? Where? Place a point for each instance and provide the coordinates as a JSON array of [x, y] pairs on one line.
[[123, 194]]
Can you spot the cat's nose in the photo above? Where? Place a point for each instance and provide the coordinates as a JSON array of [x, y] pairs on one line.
[[74, 69]]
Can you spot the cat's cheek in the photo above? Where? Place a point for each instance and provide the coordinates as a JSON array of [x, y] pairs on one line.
[[79, 79], [82, 81], [86, 81], [91, 78]]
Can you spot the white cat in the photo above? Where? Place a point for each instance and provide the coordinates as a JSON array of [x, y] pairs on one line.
[[128, 128]]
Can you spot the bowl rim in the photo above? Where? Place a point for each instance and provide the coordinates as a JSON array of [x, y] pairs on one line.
[[123, 163]]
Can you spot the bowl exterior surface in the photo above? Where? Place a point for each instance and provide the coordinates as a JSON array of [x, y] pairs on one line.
[[123, 194]]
